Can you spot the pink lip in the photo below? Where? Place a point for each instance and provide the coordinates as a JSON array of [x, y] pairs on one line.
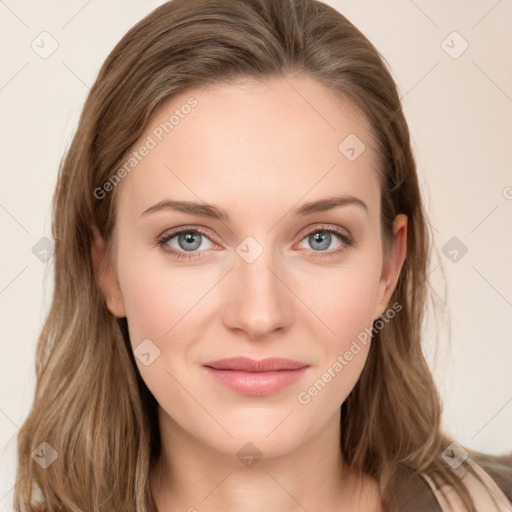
[[256, 377]]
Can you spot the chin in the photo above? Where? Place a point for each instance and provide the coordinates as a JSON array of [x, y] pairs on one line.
[[261, 439]]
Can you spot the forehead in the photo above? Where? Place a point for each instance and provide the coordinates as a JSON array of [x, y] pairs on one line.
[[254, 144]]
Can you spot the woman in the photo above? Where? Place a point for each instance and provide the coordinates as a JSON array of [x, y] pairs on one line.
[[240, 280]]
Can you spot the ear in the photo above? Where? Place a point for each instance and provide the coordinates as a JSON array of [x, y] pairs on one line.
[[106, 275], [391, 268]]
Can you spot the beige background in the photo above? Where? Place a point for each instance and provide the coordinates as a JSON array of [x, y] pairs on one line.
[[460, 115]]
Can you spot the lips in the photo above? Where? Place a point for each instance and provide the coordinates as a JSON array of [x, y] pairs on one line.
[[245, 364], [256, 377]]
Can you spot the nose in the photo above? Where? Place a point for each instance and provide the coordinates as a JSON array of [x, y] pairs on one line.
[[258, 299]]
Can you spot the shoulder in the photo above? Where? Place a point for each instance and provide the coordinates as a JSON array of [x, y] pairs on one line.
[[485, 492]]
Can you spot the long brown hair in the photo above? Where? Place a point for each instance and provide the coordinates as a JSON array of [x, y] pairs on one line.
[[91, 406]]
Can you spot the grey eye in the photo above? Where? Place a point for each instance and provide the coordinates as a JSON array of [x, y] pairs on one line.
[[189, 240], [320, 240]]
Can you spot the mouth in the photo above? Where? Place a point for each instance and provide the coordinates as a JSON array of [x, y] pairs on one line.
[[256, 377]]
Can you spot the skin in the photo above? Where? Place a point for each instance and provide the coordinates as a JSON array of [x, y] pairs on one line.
[[258, 151]]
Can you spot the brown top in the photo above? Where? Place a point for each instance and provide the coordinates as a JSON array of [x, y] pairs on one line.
[[487, 498]]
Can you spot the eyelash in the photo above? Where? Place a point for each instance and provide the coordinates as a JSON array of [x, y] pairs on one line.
[[162, 240]]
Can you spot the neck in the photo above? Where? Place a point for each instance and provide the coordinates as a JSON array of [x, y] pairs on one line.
[[191, 475]]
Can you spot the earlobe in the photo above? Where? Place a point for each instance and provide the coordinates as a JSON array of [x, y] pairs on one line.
[[391, 269], [105, 274]]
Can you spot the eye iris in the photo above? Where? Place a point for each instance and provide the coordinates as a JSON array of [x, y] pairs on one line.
[[189, 237], [321, 236]]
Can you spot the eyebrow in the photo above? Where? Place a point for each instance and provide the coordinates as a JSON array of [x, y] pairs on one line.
[[210, 210]]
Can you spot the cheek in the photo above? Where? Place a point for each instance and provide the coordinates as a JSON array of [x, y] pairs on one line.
[[342, 300], [167, 306], [160, 299], [343, 307]]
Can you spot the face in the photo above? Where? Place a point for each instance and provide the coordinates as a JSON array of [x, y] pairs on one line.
[[270, 277]]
